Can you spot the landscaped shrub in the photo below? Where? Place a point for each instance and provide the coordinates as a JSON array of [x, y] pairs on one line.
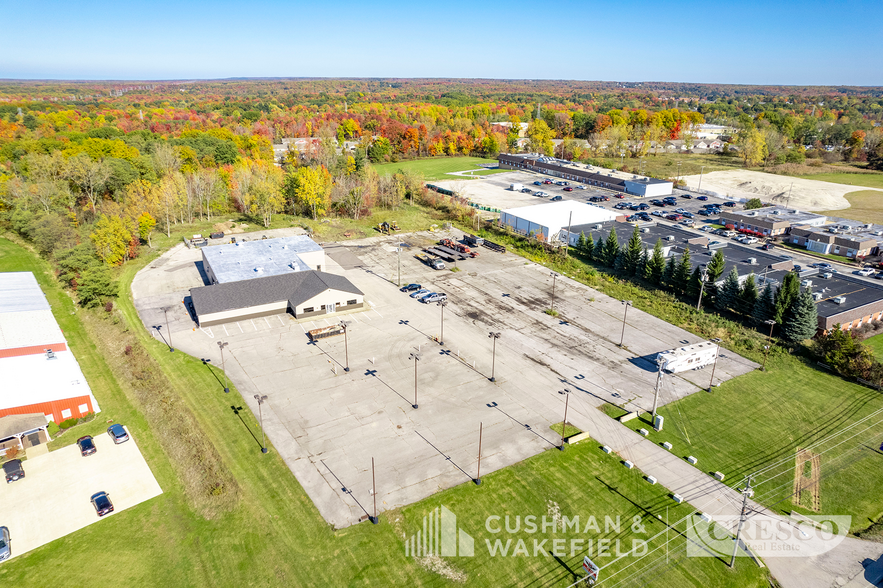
[[67, 424]]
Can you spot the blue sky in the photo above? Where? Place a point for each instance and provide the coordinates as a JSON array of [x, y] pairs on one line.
[[740, 42]]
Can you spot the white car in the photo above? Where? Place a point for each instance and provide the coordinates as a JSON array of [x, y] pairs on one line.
[[866, 272], [750, 240]]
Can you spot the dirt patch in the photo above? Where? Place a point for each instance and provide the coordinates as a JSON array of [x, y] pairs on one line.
[[806, 483], [553, 511], [229, 227], [745, 184], [435, 564]]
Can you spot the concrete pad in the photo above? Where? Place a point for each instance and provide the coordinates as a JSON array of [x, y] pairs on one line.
[[53, 498]]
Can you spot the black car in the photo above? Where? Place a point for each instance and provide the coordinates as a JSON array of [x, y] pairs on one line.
[[643, 206], [410, 288], [730, 204], [704, 212], [657, 203], [86, 445], [101, 502], [13, 470], [632, 218], [687, 196]]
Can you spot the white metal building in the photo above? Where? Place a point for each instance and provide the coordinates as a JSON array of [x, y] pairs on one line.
[[549, 219], [651, 187], [245, 260]]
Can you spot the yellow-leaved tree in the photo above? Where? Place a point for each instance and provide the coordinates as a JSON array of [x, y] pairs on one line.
[[111, 238], [263, 197], [309, 188]]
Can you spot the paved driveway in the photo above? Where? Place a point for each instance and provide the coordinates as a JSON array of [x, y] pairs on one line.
[[53, 499]]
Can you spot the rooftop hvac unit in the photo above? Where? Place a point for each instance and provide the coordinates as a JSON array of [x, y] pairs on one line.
[[597, 227], [816, 296], [840, 299], [645, 230], [777, 212], [259, 270], [50, 354], [827, 275], [752, 261], [806, 283], [879, 233], [669, 238]]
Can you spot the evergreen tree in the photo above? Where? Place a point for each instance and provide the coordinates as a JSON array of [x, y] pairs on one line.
[[632, 254], [611, 248], [801, 320], [716, 267], [765, 306], [786, 295], [668, 273], [581, 243], [589, 249], [655, 265], [641, 270], [748, 296], [598, 251], [695, 285], [728, 293], [681, 277], [619, 264]]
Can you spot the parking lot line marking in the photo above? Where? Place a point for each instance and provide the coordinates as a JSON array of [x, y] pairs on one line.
[[303, 329], [240, 327], [225, 330], [208, 332], [268, 323], [281, 322], [366, 316], [252, 324], [375, 310]]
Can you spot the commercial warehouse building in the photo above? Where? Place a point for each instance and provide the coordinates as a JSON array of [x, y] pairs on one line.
[[545, 221], [40, 374], [835, 241], [269, 277], [771, 221], [568, 170]]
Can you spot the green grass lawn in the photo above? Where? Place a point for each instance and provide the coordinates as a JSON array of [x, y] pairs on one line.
[[272, 535], [865, 205], [876, 345], [869, 180], [438, 168], [666, 164]]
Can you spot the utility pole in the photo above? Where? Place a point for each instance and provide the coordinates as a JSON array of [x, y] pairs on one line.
[[477, 479], [714, 366], [416, 358], [566, 393], [700, 179], [703, 277], [554, 277], [442, 304], [165, 311], [769, 342], [346, 347], [789, 194], [659, 362], [374, 519], [399, 250], [746, 492], [226, 381], [494, 336], [567, 243], [624, 315], [261, 400]]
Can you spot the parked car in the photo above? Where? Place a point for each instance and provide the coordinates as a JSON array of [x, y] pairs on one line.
[[674, 217], [643, 206], [556, 198], [101, 502], [568, 189], [420, 293], [687, 196], [619, 195], [750, 240], [410, 287], [547, 181], [767, 246], [706, 229], [687, 214], [13, 470], [596, 199], [560, 183], [879, 276], [526, 190], [730, 204], [118, 432], [420, 298], [86, 445], [657, 203], [703, 198], [687, 222], [539, 193], [797, 268], [5, 550], [704, 212], [621, 205], [582, 187], [680, 210], [713, 243], [658, 213], [822, 266], [434, 297], [643, 216], [866, 272], [538, 183]]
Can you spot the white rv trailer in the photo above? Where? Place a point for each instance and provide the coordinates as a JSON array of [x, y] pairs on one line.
[[689, 357], [516, 187]]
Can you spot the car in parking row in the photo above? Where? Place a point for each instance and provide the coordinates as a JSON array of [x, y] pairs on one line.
[[434, 297]]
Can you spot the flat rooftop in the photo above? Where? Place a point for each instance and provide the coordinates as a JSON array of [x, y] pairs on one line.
[[779, 214], [557, 214], [19, 291], [29, 328], [32, 379], [267, 257]]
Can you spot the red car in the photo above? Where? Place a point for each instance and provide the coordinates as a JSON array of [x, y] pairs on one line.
[[620, 195], [568, 189], [547, 181], [674, 217]]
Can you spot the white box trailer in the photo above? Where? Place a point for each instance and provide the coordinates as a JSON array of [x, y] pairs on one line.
[[516, 187], [689, 357]]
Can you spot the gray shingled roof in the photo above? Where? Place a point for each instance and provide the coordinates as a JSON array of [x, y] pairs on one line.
[[15, 424], [295, 287]]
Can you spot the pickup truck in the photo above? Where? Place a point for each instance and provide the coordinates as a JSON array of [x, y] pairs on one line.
[[432, 262]]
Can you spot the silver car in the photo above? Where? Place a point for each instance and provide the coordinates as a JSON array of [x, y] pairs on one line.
[[421, 293], [5, 550]]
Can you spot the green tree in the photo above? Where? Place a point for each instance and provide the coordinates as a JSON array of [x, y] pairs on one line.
[[581, 243], [310, 189], [611, 248], [51, 232], [146, 223], [668, 273], [89, 175], [94, 285], [786, 294], [631, 257], [748, 296], [728, 295], [753, 203], [655, 265], [598, 251], [801, 320], [716, 267], [681, 277], [641, 270], [765, 306], [752, 147], [111, 238], [540, 137]]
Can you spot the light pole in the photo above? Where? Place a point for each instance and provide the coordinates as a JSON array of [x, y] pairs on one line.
[[714, 366], [477, 479], [703, 277], [221, 345], [374, 519], [261, 400], [566, 393], [416, 358], [554, 277], [346, 347], [442, 304], [700, 178], [165, 311], [627, 303], [399, 251], [769, 342], [494, 336]]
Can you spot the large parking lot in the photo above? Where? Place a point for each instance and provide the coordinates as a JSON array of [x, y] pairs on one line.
[[53, 499], [328, 424]]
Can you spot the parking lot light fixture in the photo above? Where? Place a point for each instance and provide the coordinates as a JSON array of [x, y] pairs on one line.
[[416, 358], [566, 393], [766, 348], [221, 345], [699, 189], [554, 277], [165, 312], [494, 336], [714, 365], [261, 400], [346, 349], [442, 304], [627, 303], [703, 277]]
